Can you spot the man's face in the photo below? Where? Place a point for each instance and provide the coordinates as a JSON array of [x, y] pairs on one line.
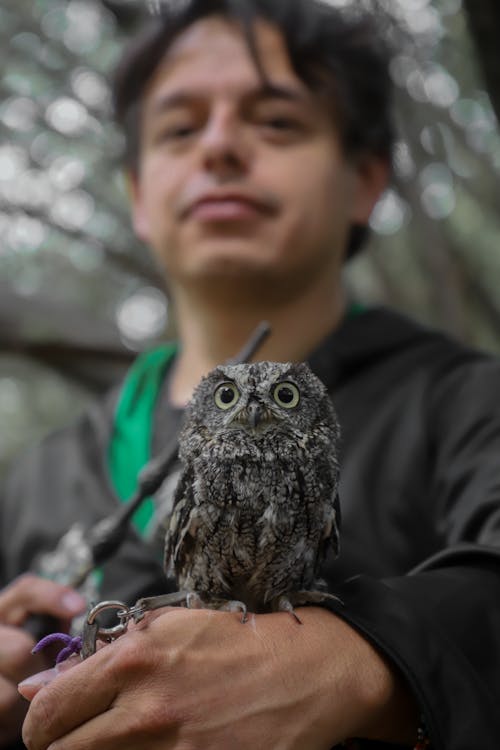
[[239, 179]]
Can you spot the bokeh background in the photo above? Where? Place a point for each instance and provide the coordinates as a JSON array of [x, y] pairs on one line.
[[79, 296]]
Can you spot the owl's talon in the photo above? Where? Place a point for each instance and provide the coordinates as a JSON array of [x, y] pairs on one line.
[[283, 604], [235, 606], [286, 603], [314, 597], [194, 601]]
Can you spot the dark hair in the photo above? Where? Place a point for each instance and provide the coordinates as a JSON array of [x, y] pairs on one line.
[[339, 54]]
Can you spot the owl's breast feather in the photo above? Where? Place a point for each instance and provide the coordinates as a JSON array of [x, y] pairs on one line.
[[239, 445]]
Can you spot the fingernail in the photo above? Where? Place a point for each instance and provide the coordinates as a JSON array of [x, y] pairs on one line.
[[73, 602], [39, 678]]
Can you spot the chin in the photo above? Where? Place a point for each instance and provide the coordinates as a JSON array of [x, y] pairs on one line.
[[231, 259], [231, 269], [224, 274]]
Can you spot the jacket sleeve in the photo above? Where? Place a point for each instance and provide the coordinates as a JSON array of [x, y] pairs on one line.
[[440, 623], [63, 481], [436, 628], [51, 486]]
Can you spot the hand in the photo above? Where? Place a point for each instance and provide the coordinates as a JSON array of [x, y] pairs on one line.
[[202, 679], [27, 595]]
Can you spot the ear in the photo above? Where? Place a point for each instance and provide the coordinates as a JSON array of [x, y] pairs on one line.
[[370, 180], [137, 209]]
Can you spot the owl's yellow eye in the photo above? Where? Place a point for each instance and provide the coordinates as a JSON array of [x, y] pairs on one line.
[[286, 395], [226, 396]]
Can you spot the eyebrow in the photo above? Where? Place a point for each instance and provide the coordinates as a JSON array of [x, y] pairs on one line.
[[266, 91], [270, 90]]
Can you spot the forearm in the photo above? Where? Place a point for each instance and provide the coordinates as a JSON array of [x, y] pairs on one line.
[[378, 703]]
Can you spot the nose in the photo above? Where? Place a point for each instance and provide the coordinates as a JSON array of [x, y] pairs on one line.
[[224, 146]]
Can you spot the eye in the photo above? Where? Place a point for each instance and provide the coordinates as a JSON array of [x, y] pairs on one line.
[[177, 133], [280, 123], [286, 395], [226, 395], [281, 129]]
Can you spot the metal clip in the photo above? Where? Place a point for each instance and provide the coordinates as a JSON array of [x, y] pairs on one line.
[[93, 633], [109, 634], [135, 613]]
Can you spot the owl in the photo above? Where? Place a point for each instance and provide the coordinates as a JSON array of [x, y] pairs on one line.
[[256, 507]]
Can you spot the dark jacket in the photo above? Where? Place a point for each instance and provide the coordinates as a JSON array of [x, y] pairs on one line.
[[419, 569]]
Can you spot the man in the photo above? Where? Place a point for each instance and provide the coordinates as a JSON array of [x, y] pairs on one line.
[[259, 140]]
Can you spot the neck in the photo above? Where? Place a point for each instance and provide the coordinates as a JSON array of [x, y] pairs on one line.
[[212, 330]]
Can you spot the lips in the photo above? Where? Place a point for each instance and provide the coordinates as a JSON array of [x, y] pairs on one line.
[[220, 207], [230, 209]]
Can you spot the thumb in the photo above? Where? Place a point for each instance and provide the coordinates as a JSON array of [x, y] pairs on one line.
[[29, 687]]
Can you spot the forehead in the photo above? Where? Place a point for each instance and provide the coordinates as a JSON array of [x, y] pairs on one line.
[[260, 374], [212, 56]]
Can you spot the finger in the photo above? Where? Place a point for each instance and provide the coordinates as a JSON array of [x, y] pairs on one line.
[[15, 653], [120, 728], [16, 659], [30, 594], [74, 698], [29, 687]]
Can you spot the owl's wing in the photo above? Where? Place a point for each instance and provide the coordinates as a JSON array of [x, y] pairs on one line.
[[331, 533], [180, 519], [335, 520]]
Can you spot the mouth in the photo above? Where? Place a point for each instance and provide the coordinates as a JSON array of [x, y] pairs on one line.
[[228, 207]]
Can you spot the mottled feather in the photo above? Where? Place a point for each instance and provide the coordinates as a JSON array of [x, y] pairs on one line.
[[256, 507]]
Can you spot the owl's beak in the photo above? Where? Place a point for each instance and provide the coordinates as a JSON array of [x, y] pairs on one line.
[[255, 413]]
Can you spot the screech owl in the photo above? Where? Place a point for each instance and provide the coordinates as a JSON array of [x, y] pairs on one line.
[[256, 507]]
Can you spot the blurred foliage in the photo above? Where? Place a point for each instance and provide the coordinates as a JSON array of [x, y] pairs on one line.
[[79, 295], [435, 252]]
